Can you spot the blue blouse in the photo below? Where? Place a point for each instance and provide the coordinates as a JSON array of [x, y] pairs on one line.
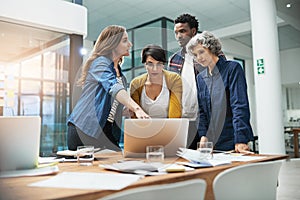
[[100, 89], [223, 105]]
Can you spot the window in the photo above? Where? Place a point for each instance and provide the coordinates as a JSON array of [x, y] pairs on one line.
[[34, 68]]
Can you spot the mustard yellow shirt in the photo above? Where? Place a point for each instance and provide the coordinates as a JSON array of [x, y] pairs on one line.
[[174, 84]]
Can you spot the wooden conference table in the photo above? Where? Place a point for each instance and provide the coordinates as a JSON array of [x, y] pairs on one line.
[[16, 188]]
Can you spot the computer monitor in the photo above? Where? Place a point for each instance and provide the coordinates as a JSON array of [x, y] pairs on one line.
[[168, 132]]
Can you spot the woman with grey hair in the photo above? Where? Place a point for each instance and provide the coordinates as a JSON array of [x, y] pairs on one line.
[[222, 96]]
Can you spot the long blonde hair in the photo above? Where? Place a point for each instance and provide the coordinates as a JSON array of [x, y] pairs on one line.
[[107, 41]]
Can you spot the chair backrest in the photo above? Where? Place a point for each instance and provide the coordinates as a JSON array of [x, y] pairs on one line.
[[250, 181], [188, 190]]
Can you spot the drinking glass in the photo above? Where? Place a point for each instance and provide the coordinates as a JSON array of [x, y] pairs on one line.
[[205, 149], [85, 155], [155, 153]]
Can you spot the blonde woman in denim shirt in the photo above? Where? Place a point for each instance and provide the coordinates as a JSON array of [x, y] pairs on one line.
[[96, 119], [222, 96]]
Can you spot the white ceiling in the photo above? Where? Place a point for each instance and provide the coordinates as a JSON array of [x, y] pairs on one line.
[[131, 13], [228, 18], [214, 15]]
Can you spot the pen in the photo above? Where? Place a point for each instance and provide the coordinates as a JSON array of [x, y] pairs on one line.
[[97, 150], [47, 165], [225, 152]]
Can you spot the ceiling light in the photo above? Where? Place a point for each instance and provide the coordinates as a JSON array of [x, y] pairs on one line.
[[83, 51], [288, 5]]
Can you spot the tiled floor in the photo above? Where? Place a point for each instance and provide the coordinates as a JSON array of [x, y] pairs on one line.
[[289, 180]]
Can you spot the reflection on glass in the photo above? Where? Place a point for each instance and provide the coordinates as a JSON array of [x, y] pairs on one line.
[[140, 71], [48, 88], [31, 68], [137, 58], [30, 87], [30, 105], [11, 110], [49, 66], [48, 108], [149, 34]]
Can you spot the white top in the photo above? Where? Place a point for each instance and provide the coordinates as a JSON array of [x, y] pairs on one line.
[[189, 89], [159, 107]]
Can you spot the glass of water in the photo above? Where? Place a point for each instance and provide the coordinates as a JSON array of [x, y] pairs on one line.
[[85, 155], [205, 149], [155, 153]]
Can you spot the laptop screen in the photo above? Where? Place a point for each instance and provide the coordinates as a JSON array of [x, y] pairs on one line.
[[168, 132], [19, 142]]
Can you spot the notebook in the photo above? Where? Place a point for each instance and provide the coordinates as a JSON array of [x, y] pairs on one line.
[[19, 142], [169, 132]]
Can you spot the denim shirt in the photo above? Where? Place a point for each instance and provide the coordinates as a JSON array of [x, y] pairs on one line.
[[100, 89], [223, 105]]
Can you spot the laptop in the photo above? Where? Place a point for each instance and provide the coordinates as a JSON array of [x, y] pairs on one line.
[[169, 132], [19, 142]]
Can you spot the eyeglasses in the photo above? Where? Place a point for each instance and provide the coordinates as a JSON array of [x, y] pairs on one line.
[[152, 64]]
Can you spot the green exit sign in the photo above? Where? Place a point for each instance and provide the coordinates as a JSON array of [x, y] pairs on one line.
[[260, 66]]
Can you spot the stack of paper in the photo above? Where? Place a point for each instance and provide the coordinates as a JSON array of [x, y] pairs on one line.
[[146, 168], [196, 160], [132, 166]]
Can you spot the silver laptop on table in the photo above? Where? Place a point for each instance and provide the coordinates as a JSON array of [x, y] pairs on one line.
[[19, 142], [169, 132]]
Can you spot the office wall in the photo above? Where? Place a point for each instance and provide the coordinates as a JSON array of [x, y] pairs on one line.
[[290, 75], [50, 15], [290, 66]]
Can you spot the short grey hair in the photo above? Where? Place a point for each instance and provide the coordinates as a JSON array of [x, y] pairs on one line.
[[207, 40]]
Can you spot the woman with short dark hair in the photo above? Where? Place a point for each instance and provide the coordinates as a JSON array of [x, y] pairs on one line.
[[158, 91]]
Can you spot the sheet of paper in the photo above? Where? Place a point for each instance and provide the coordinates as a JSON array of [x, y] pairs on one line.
[[194, 157], [235, 157], [89, 181], [30, 172], [131, 166], [44, 160], [218, 158]]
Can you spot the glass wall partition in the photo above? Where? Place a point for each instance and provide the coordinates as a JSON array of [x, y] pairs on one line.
[[34, 70], [159, 32]]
